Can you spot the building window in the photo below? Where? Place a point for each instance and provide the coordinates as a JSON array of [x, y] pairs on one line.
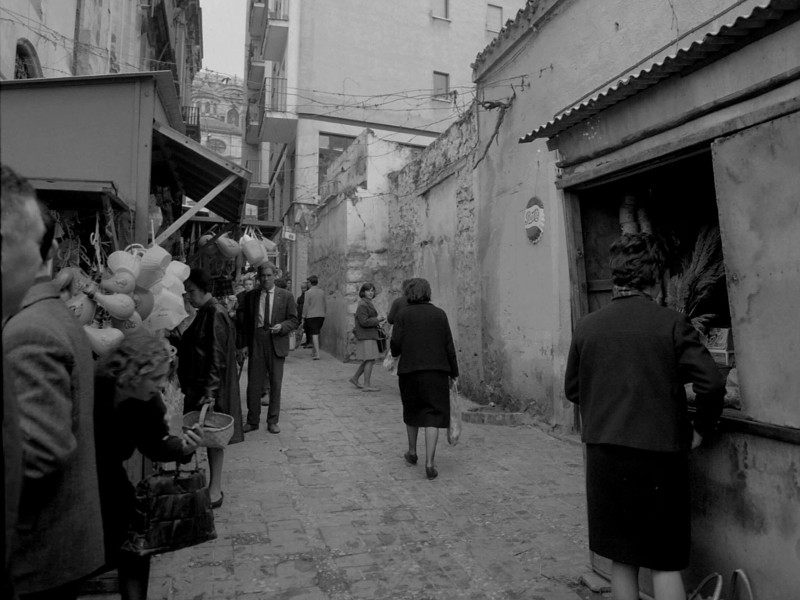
[[441, 85], [494, 18], [26, 62], [441, 9], [233, 117], [216, 145]]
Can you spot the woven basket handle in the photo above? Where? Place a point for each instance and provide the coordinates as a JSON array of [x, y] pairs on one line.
[[717, 579], [740, 575]]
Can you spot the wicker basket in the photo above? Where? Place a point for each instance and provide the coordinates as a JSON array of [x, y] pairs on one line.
[[217, 427]]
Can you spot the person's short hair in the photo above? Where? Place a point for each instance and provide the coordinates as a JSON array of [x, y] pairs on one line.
[[404, 285], [364, 288], [313, 280], [637, 261], [49, 230], [15, 193], [264, 267], [201, 279], [281, 283], [137, 356], [418, 290]]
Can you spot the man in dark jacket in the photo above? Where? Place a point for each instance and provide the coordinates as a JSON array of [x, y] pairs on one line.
[[59, 532], [268, 316]]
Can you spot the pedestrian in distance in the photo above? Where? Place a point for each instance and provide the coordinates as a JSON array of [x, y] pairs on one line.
[[269, 316], [626, 371], [129, 415], [367, 322], [426, 370], [301, 299], [24, 237], [59, 535], [314, 309], [207, 369]]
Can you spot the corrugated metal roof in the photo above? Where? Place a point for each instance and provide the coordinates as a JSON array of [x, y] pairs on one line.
[[716, 42], [199, 171]]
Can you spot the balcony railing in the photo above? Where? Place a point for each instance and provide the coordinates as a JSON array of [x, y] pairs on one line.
[[275, 93], [278, 10]]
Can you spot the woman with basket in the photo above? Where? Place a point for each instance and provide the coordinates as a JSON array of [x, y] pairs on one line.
[[208, 375], [129, 415]]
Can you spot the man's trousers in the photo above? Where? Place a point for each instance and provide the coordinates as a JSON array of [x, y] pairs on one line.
[[263, 364]]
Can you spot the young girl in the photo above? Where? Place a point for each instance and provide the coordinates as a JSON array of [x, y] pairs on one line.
[[129, 415]]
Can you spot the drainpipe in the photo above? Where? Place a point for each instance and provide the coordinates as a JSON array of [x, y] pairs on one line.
[[76, 41]]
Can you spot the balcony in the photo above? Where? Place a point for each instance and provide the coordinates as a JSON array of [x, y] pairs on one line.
[[268, 115], [258, 20], [277, 32], [259, 186], [255, 74]]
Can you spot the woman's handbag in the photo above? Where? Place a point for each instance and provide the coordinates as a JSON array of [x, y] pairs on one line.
[[454, 429], [381, 340], [173, 511]]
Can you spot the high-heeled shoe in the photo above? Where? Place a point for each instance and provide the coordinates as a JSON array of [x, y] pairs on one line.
[[431, 472], [410, 458]]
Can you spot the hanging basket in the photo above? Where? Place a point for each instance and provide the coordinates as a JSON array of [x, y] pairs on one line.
[[228, 248], [252, 249]]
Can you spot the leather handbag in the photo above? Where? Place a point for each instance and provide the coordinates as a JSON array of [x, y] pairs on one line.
[[173, 511], [381, 340]]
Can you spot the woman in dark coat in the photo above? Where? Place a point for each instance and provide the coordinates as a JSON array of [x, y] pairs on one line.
[[427, 369], [367, 322], [129, 415], [626, 369], [207, 368]]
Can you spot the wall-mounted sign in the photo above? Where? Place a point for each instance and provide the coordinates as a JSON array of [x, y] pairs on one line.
[[289, 235], [534, 219]]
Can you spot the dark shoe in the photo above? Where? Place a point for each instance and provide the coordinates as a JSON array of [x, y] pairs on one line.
[[410, 458], [264, 401], [248, 428], [218, 503], [273, 428], [431, 472]]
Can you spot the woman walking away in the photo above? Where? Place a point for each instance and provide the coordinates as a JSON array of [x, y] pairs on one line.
[[207, 369], [427, 368], [129, 415], [627, 367], [366, 332]]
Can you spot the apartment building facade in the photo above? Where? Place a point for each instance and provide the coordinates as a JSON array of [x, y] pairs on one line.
[[319, 73], [62, 38]]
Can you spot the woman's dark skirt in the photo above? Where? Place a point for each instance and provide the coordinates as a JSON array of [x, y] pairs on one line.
[[638, 503], [426, 398]]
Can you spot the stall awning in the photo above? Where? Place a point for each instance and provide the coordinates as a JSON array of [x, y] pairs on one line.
[[74, 193], [713, 40], [199, 171]]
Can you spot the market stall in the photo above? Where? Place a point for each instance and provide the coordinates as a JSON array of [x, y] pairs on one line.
[[114, 146]]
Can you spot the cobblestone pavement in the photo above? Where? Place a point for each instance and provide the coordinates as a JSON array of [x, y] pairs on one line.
[[328, 509]]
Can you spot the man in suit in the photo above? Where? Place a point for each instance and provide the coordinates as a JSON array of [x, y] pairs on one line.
[[23, 235], [59, 531], [268, 316]]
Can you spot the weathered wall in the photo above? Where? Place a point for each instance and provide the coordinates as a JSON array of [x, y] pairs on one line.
[[745, 512], [432, 223], [349, 243]]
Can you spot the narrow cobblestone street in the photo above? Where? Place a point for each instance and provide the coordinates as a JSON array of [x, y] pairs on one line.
[[328, 509]]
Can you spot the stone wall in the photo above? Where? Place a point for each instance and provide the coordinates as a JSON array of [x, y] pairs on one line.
[[432, 234]]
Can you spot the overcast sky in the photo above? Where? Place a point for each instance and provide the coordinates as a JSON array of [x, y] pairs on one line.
[[223, 35]]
